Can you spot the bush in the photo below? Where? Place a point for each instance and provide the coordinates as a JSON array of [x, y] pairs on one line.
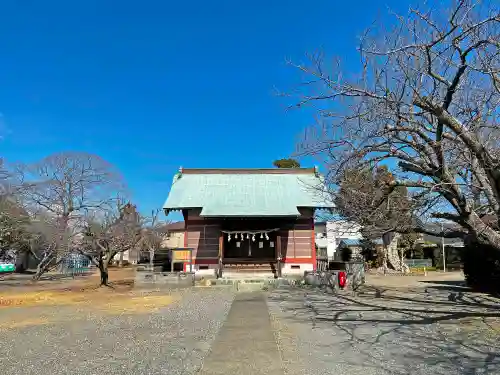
[[482, 267]]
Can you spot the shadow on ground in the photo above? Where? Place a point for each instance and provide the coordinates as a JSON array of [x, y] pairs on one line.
[[442, 328], [447, 285]]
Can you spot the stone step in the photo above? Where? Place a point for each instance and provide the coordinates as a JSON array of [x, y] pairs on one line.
[[241, 285], [248, 275], [243, 270]]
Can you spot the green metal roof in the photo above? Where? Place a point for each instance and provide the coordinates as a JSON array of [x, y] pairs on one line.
[[249, 194]]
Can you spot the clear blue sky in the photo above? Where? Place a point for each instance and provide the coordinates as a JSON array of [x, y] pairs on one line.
[[154, 85]]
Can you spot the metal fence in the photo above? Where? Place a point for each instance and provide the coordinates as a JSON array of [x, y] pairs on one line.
[[418, 263], [75, 265]]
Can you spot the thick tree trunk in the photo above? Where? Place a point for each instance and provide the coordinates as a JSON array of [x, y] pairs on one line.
[[393, 257], [103, 270], [482, 232], [22, 261]]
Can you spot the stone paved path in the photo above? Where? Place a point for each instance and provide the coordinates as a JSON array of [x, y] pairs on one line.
[[246, 344]]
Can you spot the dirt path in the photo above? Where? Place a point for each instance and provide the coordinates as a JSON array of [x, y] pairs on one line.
[[396, 281]]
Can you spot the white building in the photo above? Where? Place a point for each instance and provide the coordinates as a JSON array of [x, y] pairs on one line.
[[330, 234]]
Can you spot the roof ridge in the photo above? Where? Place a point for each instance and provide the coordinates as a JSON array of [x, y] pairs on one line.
[[248, 170]]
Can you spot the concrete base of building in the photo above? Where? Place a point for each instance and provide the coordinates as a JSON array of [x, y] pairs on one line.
[[296, 269]]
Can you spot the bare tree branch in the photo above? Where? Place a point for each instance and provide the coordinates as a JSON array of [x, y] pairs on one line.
[[424, 104]]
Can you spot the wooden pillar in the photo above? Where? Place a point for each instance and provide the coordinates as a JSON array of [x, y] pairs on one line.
[[278, 254], [221, 254]]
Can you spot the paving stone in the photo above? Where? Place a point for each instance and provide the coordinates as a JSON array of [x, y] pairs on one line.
[[246, 344]]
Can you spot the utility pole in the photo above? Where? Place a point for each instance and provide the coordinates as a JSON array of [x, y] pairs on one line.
[[442, 245]]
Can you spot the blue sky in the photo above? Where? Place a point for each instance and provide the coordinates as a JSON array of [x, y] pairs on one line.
[[154, 85]]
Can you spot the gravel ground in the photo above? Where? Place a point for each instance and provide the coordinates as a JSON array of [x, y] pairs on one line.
[[173, 340], [413, 331], [376, 331]]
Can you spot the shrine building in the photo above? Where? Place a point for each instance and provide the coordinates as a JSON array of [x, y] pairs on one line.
[[249, 220]]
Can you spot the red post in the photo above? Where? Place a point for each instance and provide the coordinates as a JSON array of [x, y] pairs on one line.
[[221, 253]]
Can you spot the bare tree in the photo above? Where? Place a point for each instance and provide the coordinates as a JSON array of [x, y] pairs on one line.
[[14, 233], [359, 196], [67, 184], [58, 191], [425, 103], [4, 178], [108, 234], [15, 222], [153, 232], [50, 241]]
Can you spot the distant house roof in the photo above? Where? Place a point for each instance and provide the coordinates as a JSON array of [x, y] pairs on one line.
[[350, 242], [359, 242], [454, 242], [177, 226], [247, 192], [437, 227]]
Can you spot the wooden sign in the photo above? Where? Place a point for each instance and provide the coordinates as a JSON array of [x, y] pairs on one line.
[[181, 255]]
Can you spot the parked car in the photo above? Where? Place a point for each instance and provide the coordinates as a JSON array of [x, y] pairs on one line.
[[7, 267]]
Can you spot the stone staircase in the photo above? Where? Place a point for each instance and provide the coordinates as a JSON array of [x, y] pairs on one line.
[[243, 284], [249, 271]]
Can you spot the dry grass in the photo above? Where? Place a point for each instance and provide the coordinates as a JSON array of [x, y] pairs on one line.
[[93, 298], [117, 276], [71, 292], [76, 299], [86, 293], [61, 306]]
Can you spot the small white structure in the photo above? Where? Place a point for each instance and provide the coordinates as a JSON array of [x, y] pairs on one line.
[[339, 230]]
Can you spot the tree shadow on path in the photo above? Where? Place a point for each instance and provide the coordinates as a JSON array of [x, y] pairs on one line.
[[401, 330]]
